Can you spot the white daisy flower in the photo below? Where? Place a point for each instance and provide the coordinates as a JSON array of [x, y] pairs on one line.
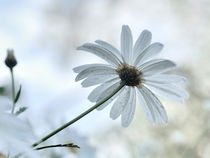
[[142, 77]]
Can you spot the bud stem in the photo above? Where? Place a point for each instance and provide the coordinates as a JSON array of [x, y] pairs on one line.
[[80, 116], [13, 90], [71, 145]]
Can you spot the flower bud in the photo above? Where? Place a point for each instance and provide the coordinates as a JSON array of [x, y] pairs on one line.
[[10, 60]]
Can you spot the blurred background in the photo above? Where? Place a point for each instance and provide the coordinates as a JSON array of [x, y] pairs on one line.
[[45, 35]]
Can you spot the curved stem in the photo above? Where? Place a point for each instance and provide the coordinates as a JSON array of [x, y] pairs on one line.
[[71, 145], [13, 91], [122, 84]]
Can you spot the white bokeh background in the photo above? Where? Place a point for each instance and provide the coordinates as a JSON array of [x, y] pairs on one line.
[[45, 34]]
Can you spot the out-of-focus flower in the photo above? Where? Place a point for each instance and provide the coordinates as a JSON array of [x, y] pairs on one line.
[[16, 135], [10, 60], [141, 77]]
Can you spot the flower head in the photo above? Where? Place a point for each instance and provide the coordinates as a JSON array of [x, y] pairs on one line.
[[142, 77], [10, 60]]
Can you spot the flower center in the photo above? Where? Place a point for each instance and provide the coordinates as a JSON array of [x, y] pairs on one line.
[[130, 75]]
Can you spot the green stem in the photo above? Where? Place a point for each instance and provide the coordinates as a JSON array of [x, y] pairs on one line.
[[80, 116], [71, 145], [13, 90]]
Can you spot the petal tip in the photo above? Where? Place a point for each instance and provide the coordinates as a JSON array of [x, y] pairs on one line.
[[125, 27], [158, 45], [97, 41], [173, 63], [84, 85], [146, 32], [79, 48], [74, 70], [110, 115], [161, 45], [125, 125], [90, 99], [77, 79]]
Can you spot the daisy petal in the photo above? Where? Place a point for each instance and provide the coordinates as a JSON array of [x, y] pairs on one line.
[[158, 67], [126, 43], [16, 136], [109, 47], [83, 67], [120, 103], [106, 93], [146, 109], [100, 52], [149, 52], [157, 110], [93, 96], [160, 113], [169, 91], [102, 106], [95, 71], [165, 78], [142, 42], [129, 110], [97, 79], [149, 63]]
